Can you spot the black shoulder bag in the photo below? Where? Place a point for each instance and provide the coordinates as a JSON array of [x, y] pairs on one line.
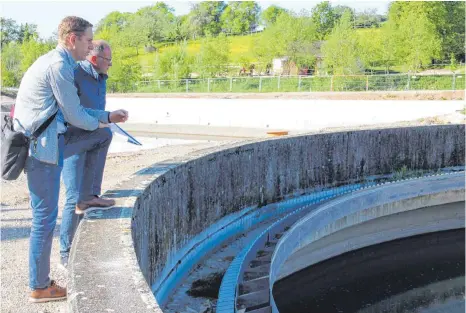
[[15, 147]]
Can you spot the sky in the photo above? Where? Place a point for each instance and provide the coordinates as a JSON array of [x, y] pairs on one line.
[[51, 12]]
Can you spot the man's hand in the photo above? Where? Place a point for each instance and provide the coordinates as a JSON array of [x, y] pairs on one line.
[[118, 116]]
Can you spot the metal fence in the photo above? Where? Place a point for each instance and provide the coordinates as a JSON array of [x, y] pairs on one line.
[[392, 82]]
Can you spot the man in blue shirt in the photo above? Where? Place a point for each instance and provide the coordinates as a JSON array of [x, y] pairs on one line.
[[47, 90], [83, 172]]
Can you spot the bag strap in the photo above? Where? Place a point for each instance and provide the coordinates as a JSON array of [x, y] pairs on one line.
[[42, 127]]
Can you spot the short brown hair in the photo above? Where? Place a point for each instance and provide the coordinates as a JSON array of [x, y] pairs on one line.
[[72, 24]]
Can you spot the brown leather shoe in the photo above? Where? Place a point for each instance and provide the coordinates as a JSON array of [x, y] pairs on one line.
[[95, 203], [51, 293]]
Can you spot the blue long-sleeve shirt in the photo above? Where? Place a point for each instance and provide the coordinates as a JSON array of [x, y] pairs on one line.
[[48, 85], [91, 86]]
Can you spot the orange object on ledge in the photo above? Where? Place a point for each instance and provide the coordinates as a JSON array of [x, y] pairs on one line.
[[278, 133]]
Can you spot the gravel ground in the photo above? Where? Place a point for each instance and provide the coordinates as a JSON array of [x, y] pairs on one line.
[[16, 217]]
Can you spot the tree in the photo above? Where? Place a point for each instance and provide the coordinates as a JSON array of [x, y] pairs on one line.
[[214, 56], [454, 32], [342, 50], [53, 39], [205, 17], [124, 74], [136, 33], [113, 19], [159, 19], [27, 32], [340, 9], [240, 16], [111, 34], [377, 47], [184, 27], [413, 33], [175, 63], [368, 18], [11, 64], [9, 30], [324, 18], [31, 50], [8, 77], [445, 21], [291, 36], [270, 15]]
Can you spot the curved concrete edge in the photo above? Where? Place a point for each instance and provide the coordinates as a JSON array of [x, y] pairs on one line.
[[103, 271], [417, 221], [229, 287], [226, 228], [364, 206], [200, 193], [103, 249], [233, 277]]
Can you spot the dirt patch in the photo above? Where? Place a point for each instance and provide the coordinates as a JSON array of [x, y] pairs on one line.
[[207, 287], [372, 95]]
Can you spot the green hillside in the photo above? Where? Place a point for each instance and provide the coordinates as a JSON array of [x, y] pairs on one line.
[[240, 47]]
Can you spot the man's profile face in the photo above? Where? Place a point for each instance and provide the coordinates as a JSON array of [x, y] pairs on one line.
[[83, 44], [104, 60]]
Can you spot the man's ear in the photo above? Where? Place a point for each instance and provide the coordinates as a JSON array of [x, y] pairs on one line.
[[72, 39], [94, 59]]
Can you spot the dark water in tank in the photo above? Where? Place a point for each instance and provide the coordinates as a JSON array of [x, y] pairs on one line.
[[423, 274]]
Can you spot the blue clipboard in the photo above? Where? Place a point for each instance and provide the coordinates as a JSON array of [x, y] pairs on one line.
[[117, 129]]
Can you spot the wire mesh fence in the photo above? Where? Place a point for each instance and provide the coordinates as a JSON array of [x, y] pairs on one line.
[[391, 82]]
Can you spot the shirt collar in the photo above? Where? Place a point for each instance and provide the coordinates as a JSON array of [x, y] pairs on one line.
[[67, 54], [89, 68]]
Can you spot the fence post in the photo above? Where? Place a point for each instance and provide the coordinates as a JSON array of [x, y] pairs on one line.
[[260, 83], [454, 82], [187, 85], [231, 84], [159, 84], [299, 83], [367, 82], [310, 84], [331, 83], [278, 86], [409, 81], [208, 84]]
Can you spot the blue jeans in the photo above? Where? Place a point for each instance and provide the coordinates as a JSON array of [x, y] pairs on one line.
[[44, 188], [83, 169]]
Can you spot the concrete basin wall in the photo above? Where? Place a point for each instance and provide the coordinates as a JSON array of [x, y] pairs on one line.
[[192, 197]]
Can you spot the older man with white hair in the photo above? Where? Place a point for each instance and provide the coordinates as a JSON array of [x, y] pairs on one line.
[[84, 164]]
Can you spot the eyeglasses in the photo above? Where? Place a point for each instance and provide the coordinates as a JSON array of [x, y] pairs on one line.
[[106, 59]]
